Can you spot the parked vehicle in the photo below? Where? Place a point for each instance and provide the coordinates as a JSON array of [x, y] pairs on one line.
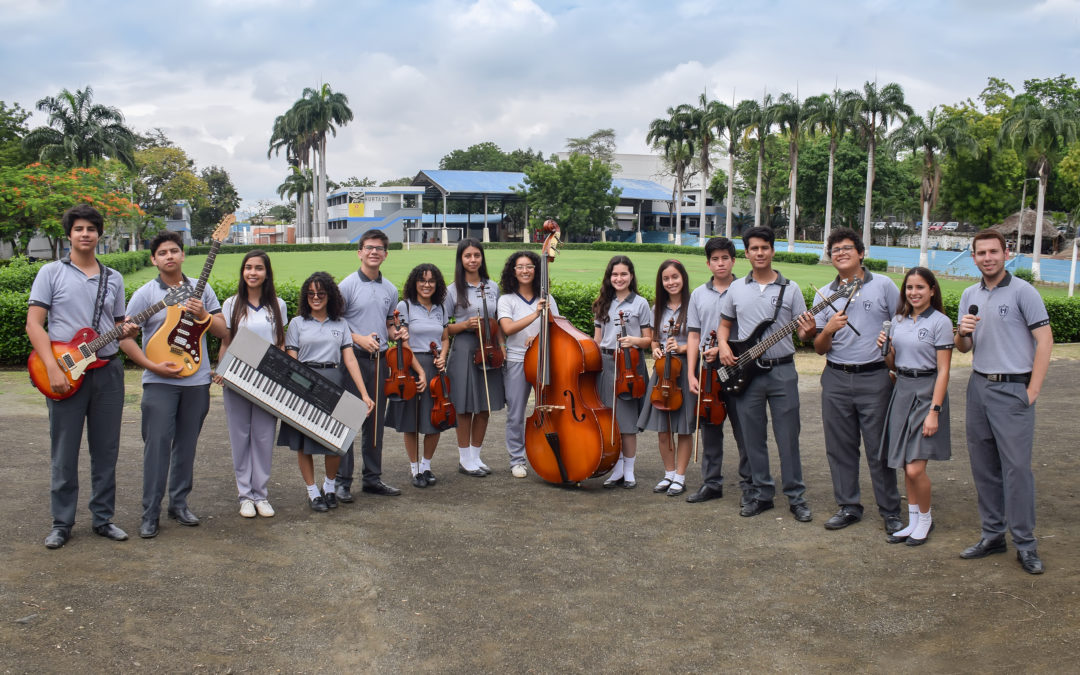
[[951, 226], [936, 227], [880, 225]]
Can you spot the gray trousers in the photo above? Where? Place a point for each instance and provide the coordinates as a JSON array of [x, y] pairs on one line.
[[854, 404], [172, 417], [371, 434], [99, 404], [779, 388], [517, 391], [712, 450], [251, 435], [1000, 435]]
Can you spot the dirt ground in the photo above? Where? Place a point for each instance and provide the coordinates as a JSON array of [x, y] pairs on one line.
[[499, 574]]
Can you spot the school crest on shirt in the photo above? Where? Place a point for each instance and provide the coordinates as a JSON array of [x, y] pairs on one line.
[[867, 305], [336, 333], [924, 335], [1003, 311]]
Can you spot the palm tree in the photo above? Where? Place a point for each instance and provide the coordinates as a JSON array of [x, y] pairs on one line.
[[933, 136], [872, 110], [80, 131], [674, 136], [825, 113], [731, 123], [701, 121], [759, 118], [790, 115], [1042, 132], [296, 187], [317, 112], [287, 136]]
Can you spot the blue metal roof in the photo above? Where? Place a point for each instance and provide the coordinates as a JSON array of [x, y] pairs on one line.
[[461, 218], [633, 188], [500, 183]]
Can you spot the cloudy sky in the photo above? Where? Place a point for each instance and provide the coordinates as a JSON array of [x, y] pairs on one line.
[[425, 77]]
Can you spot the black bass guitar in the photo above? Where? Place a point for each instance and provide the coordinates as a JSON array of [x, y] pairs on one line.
[[734, 379]]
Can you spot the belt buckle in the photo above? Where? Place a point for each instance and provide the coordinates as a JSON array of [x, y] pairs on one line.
[[994, 377]]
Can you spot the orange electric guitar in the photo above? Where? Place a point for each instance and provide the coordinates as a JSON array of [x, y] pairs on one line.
[[180, 337]]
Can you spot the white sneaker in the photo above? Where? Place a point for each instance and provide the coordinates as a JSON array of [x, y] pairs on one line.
[[264, 508], [519, 471], [247, 508]]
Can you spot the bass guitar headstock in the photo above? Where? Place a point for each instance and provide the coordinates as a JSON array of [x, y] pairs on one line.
[[178, 295], [221, 232]]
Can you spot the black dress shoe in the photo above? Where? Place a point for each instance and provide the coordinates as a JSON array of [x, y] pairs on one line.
[[478, 473], [984, 548], [801, 512], [148, 529], [419, 481], [1030, 561], [331, 500], [705, 493], [894, 539], [754, 507], [842, 519], [381, 488], [893, 524], [676, 489], [343, 494], [57, 538], [629, 484], [431, 479], [912, 541], [110, 531], [319, 504], [613, 482], [184, 516]]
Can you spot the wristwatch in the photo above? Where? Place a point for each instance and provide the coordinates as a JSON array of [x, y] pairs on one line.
[[935, 408]]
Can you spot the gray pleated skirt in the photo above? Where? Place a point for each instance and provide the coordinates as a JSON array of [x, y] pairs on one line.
[[467, 379], [403, 415], [293, 439], [627, 410], [682, 420], [902, 440]]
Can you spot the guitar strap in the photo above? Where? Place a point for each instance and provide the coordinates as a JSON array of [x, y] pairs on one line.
[[779, 302], [102, 290]]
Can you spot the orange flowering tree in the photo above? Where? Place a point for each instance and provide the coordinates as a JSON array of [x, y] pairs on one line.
[[33, 198]]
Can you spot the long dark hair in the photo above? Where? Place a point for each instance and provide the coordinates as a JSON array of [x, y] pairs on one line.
[[416, 275], [663, 297], [268, 298], [335, 304], [459, 269], [509, 281], [904, 308], [603, 301]]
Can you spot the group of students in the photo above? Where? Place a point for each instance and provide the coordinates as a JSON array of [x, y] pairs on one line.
[[344, 331]]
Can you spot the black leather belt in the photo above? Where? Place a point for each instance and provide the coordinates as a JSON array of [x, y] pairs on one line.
[[365, 354], [605, 350], [856, 367], [1022, 378], [769, 363], [908, 372], [317, 364]]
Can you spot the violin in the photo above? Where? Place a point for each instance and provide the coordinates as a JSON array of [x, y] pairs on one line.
[[711, 408], [489, 354], [628, 380], [443, 415], [667, 395], [400, 385], [567, 437]]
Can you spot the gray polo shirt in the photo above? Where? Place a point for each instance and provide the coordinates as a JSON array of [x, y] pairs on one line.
[[425, 326], [917, 339], [660, 335], [69, 296], [154, 291], [472, 303], [749, 304], [636, 312], [875, 303], [317, 341], [704, 314], [1002, 341], [369, 303], [512, 306]]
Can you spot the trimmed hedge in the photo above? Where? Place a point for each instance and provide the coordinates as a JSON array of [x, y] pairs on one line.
[[203, 249]]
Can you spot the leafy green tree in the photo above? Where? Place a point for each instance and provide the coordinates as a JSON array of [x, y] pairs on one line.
[[730, 124], [790, 116], [320, 112], [575, 192], [770, 186], [760, 118], [600, 145], [287, 135], [1055, 92], [872, 110], [163, 177], [80, 131], [12, 131], [283, 213], [219, 200], [702, 121], [487, 156], [404, 180], [353, 181], [827, 114], [674, 136], [296, 187]]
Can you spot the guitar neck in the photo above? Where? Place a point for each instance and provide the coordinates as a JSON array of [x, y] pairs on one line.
[[207, 266], [787, 329], [110, 335]]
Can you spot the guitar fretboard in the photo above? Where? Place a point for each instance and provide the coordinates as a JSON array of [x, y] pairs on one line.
[[787, 329], [108, 336]]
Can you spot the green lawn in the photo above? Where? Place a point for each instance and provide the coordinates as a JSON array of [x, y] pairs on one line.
[[574, 265]]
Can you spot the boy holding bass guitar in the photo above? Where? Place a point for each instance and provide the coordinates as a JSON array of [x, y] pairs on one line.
[[69, 295], [176, 385]]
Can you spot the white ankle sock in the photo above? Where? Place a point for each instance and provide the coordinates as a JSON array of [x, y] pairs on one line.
[[328, 485], [670, 475], [616, 471], [925, 520], [913, 521], [425, 465], [628, 469], [476, 456], [467, 461], [313, 491], [414, 468], [680, 479]]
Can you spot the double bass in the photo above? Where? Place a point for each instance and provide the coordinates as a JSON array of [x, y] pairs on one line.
[[568, 436]]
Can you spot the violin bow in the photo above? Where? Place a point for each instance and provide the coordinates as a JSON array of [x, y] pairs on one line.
[[822, 296], [670, 429], [480, 334], [376, 439], [615, 382], [697, 417]]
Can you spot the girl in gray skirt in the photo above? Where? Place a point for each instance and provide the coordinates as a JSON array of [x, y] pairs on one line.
[[669, 326], [917, 422]]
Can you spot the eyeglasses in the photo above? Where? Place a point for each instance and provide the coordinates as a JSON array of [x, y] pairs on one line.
[[316, 294], [425, 282], [375, 249], [842, 249], [524, 268]]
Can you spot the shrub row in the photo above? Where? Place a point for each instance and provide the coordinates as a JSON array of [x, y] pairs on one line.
[[203, 249], [19, 273]]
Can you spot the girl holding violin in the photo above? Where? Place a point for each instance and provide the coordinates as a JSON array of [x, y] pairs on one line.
[[671, 407], [622, 327], [477, 355], [519, 307], [320, 338], [422, 311]]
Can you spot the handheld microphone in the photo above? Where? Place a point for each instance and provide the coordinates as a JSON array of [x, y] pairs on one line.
[[973, 309], [886, 327]]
